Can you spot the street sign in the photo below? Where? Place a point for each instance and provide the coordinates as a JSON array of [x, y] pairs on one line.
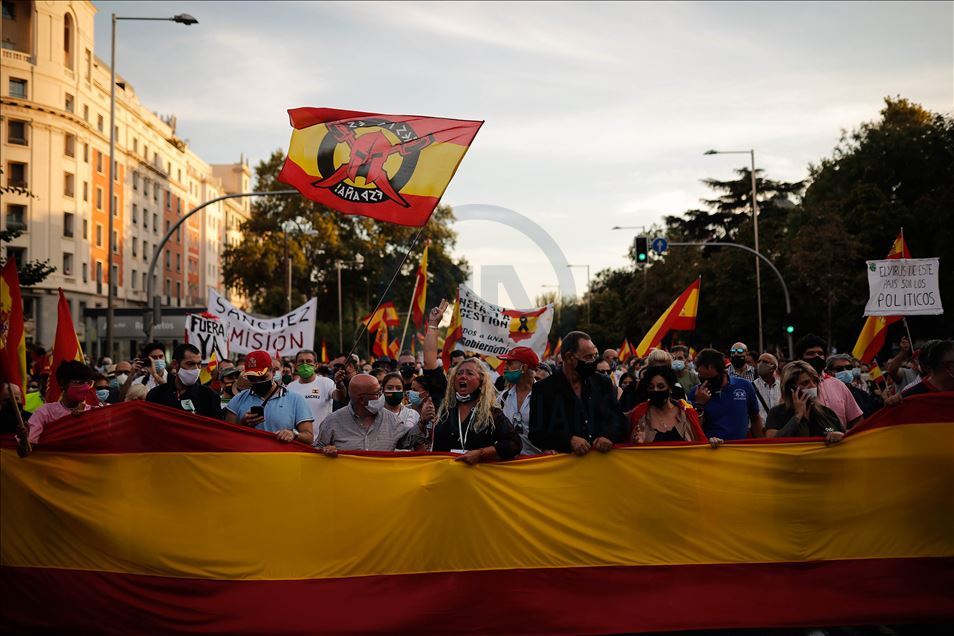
[[660, 245]]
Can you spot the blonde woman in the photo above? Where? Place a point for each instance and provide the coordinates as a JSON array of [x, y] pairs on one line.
[[800, 414], [467, 422]]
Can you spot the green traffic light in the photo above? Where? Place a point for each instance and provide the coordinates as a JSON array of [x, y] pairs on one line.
[[790, 329], [642, 257]]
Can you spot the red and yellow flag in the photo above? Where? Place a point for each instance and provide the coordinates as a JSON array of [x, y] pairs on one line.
[[871, 339], [205, 375], [391, 168], [419, 301], [13, 367], [454, 333], [876, 374], [66, 346], [324, 351], [679, 316], [547, 352], [559, 348], [385, 315], [380, 346], [625, 350]]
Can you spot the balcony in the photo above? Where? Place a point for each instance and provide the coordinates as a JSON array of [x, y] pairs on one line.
[[19, 56]]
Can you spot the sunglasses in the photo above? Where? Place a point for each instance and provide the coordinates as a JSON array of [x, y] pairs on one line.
[[736, 350]]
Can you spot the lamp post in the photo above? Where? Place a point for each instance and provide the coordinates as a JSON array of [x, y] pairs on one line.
[[755, 229], [182, 18], [358, 260], [588, 315]]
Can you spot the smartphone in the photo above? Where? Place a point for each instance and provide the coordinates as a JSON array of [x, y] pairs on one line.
[[257, 411]]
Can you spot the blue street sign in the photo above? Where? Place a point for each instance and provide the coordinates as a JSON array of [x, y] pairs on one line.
[[660, 245]]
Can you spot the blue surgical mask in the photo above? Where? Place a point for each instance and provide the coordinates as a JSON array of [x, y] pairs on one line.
[[856, 372], [678, 366], [102, 394], [414, 398], [845, 376], [160, 365]]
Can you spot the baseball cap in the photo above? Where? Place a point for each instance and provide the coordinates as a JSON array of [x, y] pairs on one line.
[[522, 354], [257, 364]]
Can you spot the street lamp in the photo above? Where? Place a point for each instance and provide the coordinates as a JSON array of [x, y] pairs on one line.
[[358, 261], [588, 316], [755, 227], [182, 18]]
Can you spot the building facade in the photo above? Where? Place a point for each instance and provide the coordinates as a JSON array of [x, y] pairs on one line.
[[55, 118]]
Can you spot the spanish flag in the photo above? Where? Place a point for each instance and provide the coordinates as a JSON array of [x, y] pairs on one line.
[[680, 316], [392, 168], [871, 339], [454, 333], [205, 376], [625, 350], [394, 349], [548, 352], [380, 346], [66, 346], [13, 366], [385, 315], [419, 301], [559, 348], [876, 374]]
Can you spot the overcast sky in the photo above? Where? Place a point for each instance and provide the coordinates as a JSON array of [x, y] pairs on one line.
[[596, 114]]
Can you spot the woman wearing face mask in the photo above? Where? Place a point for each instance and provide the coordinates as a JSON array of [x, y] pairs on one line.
[[75, 380], [800, 414], [661, 418], [393, 386]]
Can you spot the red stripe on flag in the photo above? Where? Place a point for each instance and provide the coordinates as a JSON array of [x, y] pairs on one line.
[[594, 600]]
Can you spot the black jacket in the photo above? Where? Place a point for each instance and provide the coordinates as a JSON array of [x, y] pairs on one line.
[[205, 401], [557, 414], [502, 437]]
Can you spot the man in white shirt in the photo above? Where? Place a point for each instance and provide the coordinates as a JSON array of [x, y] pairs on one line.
[[317, 390], [768, 390]]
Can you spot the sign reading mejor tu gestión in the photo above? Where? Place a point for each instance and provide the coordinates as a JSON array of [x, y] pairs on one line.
[[903, 287]]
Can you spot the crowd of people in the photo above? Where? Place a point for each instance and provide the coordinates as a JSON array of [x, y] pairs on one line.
[[579, 402]]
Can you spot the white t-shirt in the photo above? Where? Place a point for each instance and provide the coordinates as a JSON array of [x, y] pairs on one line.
[[317, 394], [408, 416]]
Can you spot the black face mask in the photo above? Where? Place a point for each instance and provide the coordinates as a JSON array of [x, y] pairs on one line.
[[818, 363], [260, 389], [658, 398], [393, 398], [586, 369], [714, 384], [287, 379], [738, 361], [407, 370]]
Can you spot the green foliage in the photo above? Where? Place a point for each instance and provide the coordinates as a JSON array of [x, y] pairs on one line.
[[317, 239]]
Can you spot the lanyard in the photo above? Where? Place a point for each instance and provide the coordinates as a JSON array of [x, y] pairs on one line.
[[461, 433]]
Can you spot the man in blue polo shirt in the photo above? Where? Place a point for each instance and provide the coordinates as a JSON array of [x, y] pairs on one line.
[[267, 406], [728, 404]]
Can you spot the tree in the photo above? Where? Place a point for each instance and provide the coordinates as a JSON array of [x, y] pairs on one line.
[[318, 238], [30, 272]]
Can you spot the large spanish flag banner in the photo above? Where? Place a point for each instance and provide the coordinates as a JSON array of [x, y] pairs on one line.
[[872, 336], [66, 345], [138, 519], [391, 168], [679, 316], [13, 367]]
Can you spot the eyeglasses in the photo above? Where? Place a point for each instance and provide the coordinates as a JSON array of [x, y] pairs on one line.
[[736, 350], [604, 371]]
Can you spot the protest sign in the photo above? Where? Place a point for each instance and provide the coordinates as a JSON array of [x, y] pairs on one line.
[[492, 330], [903, 287], [286, 335], [208, 334]]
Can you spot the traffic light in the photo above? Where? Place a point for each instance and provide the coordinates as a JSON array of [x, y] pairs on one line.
[[789, 326], [642, 249]]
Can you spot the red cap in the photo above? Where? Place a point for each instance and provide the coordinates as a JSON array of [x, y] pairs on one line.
[[522, 354], [258, 363]]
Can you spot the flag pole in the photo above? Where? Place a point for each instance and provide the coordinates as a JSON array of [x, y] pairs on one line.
[[384, 294], [23, 434]]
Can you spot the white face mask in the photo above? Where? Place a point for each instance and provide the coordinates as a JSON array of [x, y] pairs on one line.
[[812, 393], [375, 405], [188, 377], [121, 378]]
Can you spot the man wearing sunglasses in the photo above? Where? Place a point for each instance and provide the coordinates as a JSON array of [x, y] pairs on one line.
[[738, 367]]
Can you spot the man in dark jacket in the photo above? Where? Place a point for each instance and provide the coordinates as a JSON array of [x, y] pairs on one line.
[[185, 392], [576, 410]]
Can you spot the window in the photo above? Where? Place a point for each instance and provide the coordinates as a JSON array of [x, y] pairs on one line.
[[86, 153], [155, 192], [180, 175], [114, 280], [178, 234], [155, 222], [69, 146], [132, 281], [89, 65], [17, 132], [168, 284], [67, 264], [115, 243], [135, 180], [167, 227], [85, 229], [135, 144], [135, 242], [69, 104], [99, 277], [85, 272], [17, 254], [145, 251], [168, 199], [99, 198], [85, 112], [179, 207], [135, 214], [18, 88], [86, 191], [9, 11], [99, 235], [69, 185], [68, 224], [145, 282], [178, 262], [115, 205], [99, 162], [168, 259], [115, 171], [68, 38], [100, 123], [178, 293], [16, 217], [16, 174]]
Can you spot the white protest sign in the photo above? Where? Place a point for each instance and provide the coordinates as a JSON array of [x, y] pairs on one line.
[[492, 330], [286, 335], [208, 334], [903, 287]]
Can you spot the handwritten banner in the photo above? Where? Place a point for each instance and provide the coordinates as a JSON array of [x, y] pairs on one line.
[[286, 334], [493, 330], [903, 287], [208, 334]]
